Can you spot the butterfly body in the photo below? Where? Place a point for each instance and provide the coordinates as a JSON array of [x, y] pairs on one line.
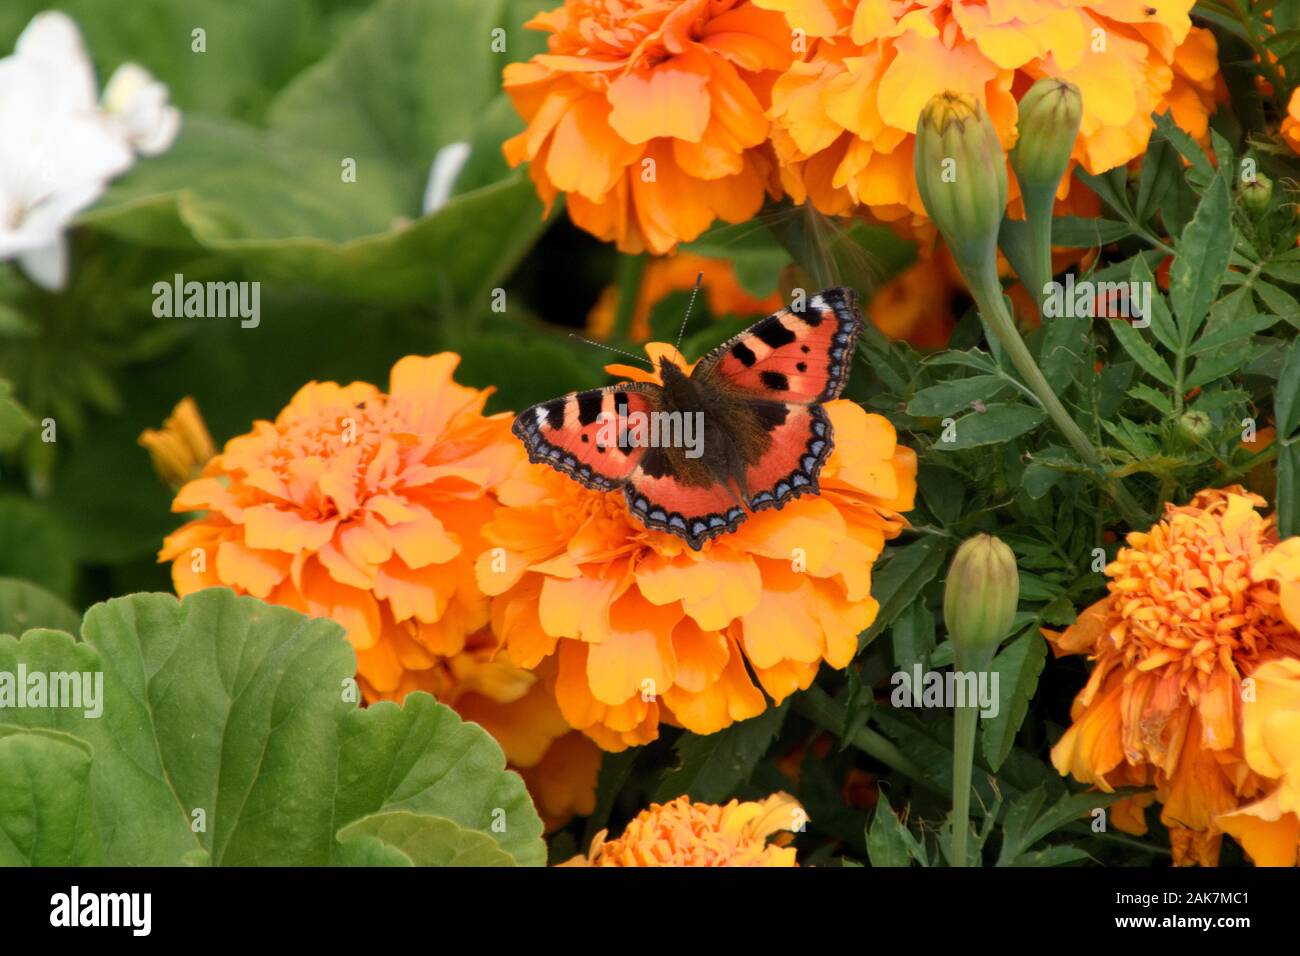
[[753, 403]]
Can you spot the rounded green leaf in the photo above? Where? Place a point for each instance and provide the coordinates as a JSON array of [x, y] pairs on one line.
[[45, 812], [424, 839], [228, 733]]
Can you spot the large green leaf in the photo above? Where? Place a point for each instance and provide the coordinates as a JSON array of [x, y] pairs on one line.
[[331, 194], [422, 839], [225, 737], [33, 546], [14, 420], [253, 47], [45, 812], [24, 606], [282, 210]]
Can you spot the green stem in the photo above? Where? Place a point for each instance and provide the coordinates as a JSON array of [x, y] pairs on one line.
[[987, 292], [824, 711], [965, 721], [631, 269], [1038, 217]]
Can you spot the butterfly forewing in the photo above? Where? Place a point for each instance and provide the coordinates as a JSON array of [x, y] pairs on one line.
[[798, 357], [579, 433]]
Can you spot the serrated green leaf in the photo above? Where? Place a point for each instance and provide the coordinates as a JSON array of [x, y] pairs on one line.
[[1286, 271], [1203, 252], [889, 842], [1160, 401], [913, 636], [712, 767], [1017, 666], [1064, 345], [1162, 323], [1286, 397], [999, 422], [956, 395], [1220, 364], [1059, 855], [1288, 491], [1217, 336], [1140, 349], [896, 583]]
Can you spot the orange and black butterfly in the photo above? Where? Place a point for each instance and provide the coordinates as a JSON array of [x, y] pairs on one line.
[[757, 399]]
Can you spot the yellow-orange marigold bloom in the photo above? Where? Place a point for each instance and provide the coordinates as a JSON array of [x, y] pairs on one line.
[[1291, 122], [366, 507], [663, 276], [643, 629], [649, 115], [846, 114], [1269, 828], [682, 833], [1185, 620], [1282, 565], [181, 448]]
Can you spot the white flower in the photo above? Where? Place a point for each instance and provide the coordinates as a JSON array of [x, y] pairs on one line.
[[58, 149], [138, 104], [447, 164]]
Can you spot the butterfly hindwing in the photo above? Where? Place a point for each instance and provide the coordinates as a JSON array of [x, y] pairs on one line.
[[665, 499], [578, 434], [800, 442], [797, 357]]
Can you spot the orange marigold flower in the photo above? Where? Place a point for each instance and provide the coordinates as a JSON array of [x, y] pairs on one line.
[[181, 448], [650, 114], [644, 629], [663, 276], [1269, 828], [366, 507], [1282, 565], [1291, 122], [918, 304], [682, 833], [1187, 618], [845, 115]]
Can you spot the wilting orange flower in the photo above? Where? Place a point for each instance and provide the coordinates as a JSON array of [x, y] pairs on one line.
[[1186, 619], [365, 507], [663, 276], [649, 114], [1269, 828], [181, 448], [682, 833], [643, 629], [1291, 122], [845, 115]]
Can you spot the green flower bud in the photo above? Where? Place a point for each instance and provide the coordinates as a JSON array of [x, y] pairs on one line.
[[980, 597], [1193, 427], [961, 174], [1256, 194], [1049, 125]]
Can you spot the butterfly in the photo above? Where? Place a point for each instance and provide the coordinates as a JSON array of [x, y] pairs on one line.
[[743, 431]]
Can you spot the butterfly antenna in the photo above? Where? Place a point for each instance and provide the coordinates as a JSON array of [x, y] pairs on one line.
[[610, 348], [689, 305]]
